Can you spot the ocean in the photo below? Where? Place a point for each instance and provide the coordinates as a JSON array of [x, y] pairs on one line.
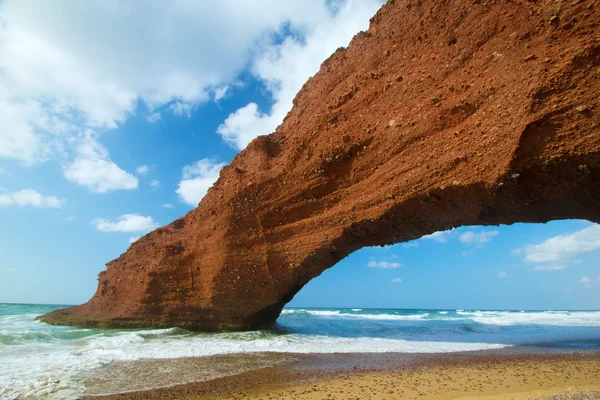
[[43, 361]]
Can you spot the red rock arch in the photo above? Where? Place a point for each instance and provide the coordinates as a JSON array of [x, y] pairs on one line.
[[444, 113]]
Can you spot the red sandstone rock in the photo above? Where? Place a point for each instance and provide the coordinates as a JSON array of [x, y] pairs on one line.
[[442, 114]]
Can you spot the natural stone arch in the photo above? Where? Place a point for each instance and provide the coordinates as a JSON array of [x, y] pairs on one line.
[[443, 114]]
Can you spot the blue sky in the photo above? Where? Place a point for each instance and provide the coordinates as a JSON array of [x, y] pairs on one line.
[[116, 117], [522, 266]]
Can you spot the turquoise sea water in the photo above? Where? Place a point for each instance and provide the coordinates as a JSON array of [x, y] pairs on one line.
[[43, 361]]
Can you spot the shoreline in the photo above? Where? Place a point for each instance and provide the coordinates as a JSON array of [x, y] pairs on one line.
[[498, 374]]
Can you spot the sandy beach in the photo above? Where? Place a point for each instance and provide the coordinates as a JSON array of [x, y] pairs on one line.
[[398, 376]]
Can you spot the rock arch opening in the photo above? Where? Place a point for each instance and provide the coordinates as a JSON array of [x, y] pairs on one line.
[[542, 266]]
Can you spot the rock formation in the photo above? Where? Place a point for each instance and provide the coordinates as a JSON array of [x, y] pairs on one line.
[[444, 113]]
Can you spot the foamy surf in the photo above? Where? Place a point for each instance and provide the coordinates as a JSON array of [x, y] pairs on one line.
[[506, 318], [43, 361]]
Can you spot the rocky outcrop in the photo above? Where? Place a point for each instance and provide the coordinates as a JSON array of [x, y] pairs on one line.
[[444, 113]]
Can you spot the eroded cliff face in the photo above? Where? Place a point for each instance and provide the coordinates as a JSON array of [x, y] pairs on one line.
[[442, 114]]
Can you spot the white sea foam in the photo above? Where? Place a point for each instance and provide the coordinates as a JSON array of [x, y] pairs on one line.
[[503, 318], [390, 317], [40, 361], [339, 314], [49, 369], [552, 318], [323, 313]]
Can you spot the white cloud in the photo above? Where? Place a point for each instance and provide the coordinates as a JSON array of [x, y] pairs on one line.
[[94, 169], [285, 67], [167, 205], [220, 92], [133, 239], [181, 109], [548, 267], [502, 274], [126, 223], [441, 236], [477, 237], [245, 124], [585, 281], [154, 117], [565, 247], [70, 218], [143, 170], [29, 198], [397, 280], [197, 179], [383, 264], [155, 184], [67, 67]]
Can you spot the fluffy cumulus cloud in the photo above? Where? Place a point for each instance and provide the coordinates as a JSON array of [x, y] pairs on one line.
[[245, 124], [29, 198], [126, 223], [383, 264], [93, 168], [397, 280], [197, 179], [564, 247], [284, 67], [66, 65], [71, 67], [477, 237]]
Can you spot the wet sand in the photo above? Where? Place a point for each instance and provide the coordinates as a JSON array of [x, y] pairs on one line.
[[481, 375], [522, 378]]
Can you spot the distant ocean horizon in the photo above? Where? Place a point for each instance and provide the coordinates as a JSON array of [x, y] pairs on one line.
[[353, 307], [40, 360]]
